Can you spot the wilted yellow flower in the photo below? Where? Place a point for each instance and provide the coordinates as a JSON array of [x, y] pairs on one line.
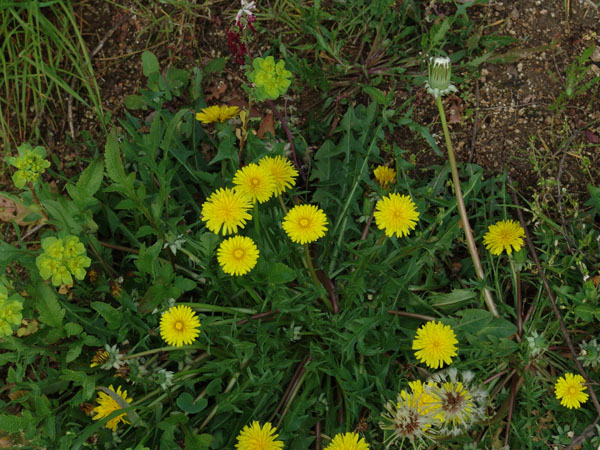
[[107, 405], [385, 175], [217, 113]]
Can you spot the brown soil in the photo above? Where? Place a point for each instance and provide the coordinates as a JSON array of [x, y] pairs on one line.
[[493, 120]]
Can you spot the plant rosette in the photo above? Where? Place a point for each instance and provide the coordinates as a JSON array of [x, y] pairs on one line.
[[30, 164], [270, 78]]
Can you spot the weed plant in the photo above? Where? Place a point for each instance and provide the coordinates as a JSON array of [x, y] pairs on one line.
[[316, 338]]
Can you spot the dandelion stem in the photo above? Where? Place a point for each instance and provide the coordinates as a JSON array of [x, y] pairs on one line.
[[489, 301], [256, 220], [161, 349], [282, 204], [217, 308], [314, 277]]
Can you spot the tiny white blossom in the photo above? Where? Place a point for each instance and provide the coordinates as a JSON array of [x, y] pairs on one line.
[[247, 8]]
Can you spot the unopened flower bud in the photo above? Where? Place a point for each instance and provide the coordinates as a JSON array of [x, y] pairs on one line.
[[439, 71]]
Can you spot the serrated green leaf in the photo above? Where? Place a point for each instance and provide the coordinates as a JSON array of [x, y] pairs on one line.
[[90, 180], [51, 313], [74, 351], [112, 158], [110, 314]]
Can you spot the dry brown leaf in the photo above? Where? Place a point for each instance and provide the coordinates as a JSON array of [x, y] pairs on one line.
[[216, 91], [12, 210], [266, 126], [27, 328], [17, 394]]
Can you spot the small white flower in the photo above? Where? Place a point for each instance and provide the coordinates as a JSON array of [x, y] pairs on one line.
[[247, 8]]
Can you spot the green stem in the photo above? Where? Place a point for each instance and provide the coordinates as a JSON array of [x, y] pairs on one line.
[[285, 211], [216, 308], [315, 279], [256, 220], [489, 301], [161, 349]]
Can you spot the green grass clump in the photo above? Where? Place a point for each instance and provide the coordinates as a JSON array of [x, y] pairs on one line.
[[43, 60]]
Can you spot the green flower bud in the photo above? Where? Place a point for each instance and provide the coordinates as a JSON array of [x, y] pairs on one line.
[[440, 72]]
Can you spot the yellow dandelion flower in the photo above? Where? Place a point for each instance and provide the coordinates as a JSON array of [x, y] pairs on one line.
[[107, 405], [396, 214], [305, 223], [256, 182], [569, 390], [225, 210], [384, 175], [436, 344], [421, 396], [179, 326], [504, 235], [347, 441], [216, 113], [255, 437], [282, 170], [237, 255]]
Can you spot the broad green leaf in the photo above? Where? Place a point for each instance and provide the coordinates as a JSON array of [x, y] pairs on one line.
[[90, 179], [135, 102], [186, 403], [112, 158], [149, 63], [280, 273], [454, 298], [47, 304]]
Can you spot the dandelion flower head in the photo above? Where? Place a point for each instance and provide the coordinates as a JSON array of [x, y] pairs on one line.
[[217, 113], [347, 441], [569, 390], [107, 405], [396, 214], [225, 211], [255, 437], [504, 235], [420, 395], [458, 402], [237, 255], [435, 344], [179, 326], [282, 171], [384, 175], [256, 182], [305, 223], [404, 419]]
